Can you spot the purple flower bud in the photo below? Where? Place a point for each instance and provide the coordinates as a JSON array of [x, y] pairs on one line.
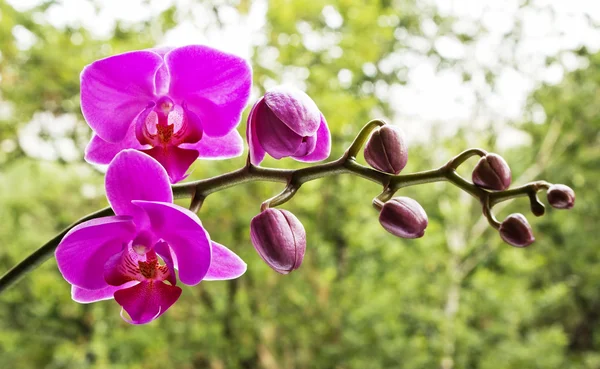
[[403, 217], [279, 238], [516, 231], [386, 150], [561, 196], [286, 122], [492, 172]]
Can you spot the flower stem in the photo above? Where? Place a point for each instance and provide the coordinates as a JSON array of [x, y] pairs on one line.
[[199, 190], [43, 253]]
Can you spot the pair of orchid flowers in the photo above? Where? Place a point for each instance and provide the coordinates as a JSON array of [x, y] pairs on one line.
[[153, 113]]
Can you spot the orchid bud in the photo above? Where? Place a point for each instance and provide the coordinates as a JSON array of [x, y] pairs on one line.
[[386, 150], [403, 217], [279, 238], [492, 172], [561, 196], [516, 231], [286, 122]]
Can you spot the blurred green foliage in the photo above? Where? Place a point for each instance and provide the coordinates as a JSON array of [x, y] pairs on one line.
[[457, 298]]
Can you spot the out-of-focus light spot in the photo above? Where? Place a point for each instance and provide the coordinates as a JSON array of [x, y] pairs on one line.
[[24, 38], [333, 18], [76, 38], [48, 137], [429, 27], [345, 78], [369, 69], [89, 191], [538, 114], [8, 145], [553, 74], [449, 47], [335, 52]]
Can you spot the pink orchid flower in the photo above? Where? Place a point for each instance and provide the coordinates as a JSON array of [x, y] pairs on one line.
[[120, 256], [176, 105]]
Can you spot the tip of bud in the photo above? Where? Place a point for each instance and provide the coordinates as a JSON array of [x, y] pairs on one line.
[[561, 196], [492, 172], [279, 238], [516, 231], [386, 149], [403, 217]]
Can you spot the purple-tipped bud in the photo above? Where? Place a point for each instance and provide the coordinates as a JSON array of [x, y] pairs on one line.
[[386, 150], [516, 231], [403, 217], [492, 172], [279, 238], [286, 122], [561, 196]]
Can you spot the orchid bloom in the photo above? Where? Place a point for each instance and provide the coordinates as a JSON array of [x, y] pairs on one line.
[[120, 256], [176, 105]]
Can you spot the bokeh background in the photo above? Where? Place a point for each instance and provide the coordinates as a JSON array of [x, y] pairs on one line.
[[516, 77]]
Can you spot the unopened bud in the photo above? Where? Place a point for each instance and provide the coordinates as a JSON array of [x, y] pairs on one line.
[[516, 231], [403, 217], [492, 172], [279, 238], [286, 122], [561, 196], [386, 150]]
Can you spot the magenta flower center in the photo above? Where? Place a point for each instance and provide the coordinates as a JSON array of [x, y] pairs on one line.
[[137, 263], [167, 124]]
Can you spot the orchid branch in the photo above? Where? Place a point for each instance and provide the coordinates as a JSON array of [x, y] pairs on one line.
[[346, 164]]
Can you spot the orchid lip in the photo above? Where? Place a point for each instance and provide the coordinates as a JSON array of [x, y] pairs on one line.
[[167, 124]]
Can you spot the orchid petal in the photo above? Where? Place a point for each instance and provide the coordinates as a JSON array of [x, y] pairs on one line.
[[256, 151], [84, 296], [175, 160], [162, 248], [140, 125], [133, 175], [83, 251], [147, 301], [183, 231], [323, 145], [295, 109], [193, 127], [225, 264], [229, 146], [122, 268], [275, 136], [214, 85], [116, 89], [99, 151]]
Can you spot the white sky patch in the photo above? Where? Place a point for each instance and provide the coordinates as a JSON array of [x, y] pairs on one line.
[[25, 38], [432, 97], [47, 137], [439, 99], [333, 18]]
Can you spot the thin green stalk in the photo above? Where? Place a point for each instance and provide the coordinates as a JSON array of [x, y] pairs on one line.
[[199, 190]]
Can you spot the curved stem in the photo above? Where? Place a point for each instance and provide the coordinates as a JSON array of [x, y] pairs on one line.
[[199, 190], [43, 253], [464, 156], [288, 192], [362, 137], [525, 190]]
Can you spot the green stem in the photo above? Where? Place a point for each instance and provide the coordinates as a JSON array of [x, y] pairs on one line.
[[362, 137], [525, 190], [43, 253], [199, 190], [464, 156]]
